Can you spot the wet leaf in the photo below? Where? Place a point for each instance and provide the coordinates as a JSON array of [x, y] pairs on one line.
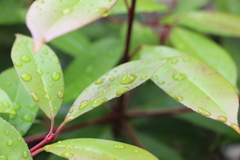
[[208, 51], [210, 22], [113, 84], [52, 18], [40, 73], [97, 149], [22, 102], [196, 85], [6, 103], [101, 57], [141, 6], [12, 144]]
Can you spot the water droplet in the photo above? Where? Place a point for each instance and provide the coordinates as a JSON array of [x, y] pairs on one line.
[[32, 106], [67, 155], [160, 82], [178, 98], [101, 9], [72, 142], [136, 151], [108, 0], [69, 146], [3, 157], [128, 78], [40, 72], [25, 58], [56, 76], [9, 84], [19, 139], [119, 146], [26, 77], [98, 102], [5, 104], [67, 11], [28, 118], [71, 110], [7, 133], [83, 104], [174, 61], [99, 81], [155, 77], [143, 77], [18, 64], [112, 78], [222, 119], [179, 76], [48, 97], [45, 51], [60, 94], [203, 112], [89, 4], [45, 89], [25, 154], [122, 91], [35, 97], [235, 127], [10, 142], [12, 116], [50, 85]]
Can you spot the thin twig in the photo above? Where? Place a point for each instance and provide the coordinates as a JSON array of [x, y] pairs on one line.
[[131, 133], [36, 152], [139, 113]]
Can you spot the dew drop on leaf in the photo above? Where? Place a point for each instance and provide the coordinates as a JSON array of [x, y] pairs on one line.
[[67, 155], [60, 94], [235, 127], [179, 76], [40, 72], [178, 98], [128, 78], [35, 97], [174, 61], [5, 104], [28, 118], [222, 119], [25, 154], [25, 58], [83, 104], [17, 106], [155, 77], [19, 139], [69, 146], [3, 157], [108, 0], [18, 64], [98, 102], [26, 77], [7, 133], [48, 97], [112, 78], [67, 11], [99, 81], [203, 112], [122, 91], [10, 142], [143, 77], [56, 76], [160, 82], [121, 146]]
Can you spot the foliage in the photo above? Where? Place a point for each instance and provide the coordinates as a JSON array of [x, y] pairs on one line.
[[140, 62]]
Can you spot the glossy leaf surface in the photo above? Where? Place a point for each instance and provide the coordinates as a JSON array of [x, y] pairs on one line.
[[40, 73], [113, 84], [12, 144], [98, 58], [49, 19], [91, 149], [211, 22], [6, 103], [23, 104], [208, 51], [141, 6], [196, 85]]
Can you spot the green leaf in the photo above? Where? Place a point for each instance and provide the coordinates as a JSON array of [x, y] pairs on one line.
[[113, 84], [22, 102], [229, 6], [100, 58], [196, 85], [184, 6], [73, 43], [12, 144], [141, 6], [208, 51], [49, 19], [40, 73], [6, 103], [97, 149], [216, 23]]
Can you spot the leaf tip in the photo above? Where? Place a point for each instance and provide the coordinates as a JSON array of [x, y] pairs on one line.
[[235, 127]]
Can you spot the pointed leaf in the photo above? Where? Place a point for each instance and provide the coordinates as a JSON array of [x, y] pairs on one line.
[[113, 84], [211, 22], [41, 74], [97, 149], [22, 102], [12, 144], [52, 18], [184, 6], [6, 103], [196, 85], [141, 6], [203, 48]]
